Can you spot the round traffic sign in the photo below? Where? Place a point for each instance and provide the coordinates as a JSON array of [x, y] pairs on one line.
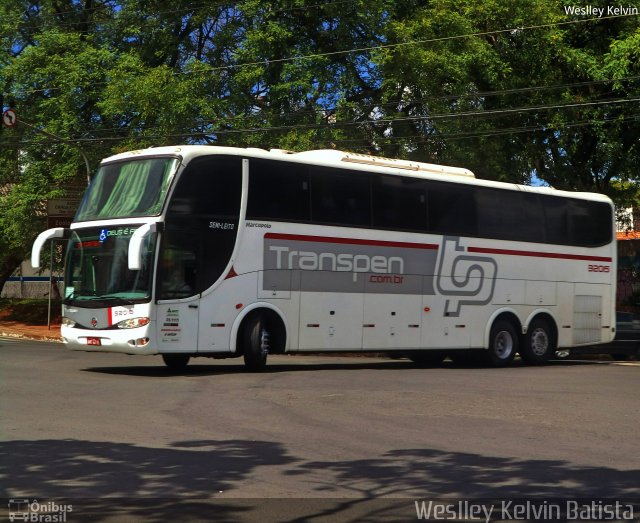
[[9, 118]]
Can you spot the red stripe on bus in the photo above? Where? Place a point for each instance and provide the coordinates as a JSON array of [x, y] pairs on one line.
[[432, 246], [535, 254], [349, 241]]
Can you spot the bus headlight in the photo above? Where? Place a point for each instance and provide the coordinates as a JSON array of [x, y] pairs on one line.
[[68, 322], [132, 323]]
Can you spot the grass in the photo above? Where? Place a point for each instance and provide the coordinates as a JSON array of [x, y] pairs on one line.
[[29, 311]]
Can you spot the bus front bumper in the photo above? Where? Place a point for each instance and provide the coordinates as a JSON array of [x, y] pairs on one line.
[[138, 340]]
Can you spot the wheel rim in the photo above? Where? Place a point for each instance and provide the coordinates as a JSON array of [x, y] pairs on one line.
[[539, 342], [503, 346], [265, 343]]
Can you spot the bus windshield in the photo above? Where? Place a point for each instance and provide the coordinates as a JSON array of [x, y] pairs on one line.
[[97, 273], [128, 189]]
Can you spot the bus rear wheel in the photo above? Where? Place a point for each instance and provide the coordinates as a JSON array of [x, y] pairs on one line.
[[176, 362], [503, 344], [256, 344], [539, 343]]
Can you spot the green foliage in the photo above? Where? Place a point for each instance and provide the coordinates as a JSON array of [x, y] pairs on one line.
[[30, 311], [507, 89]]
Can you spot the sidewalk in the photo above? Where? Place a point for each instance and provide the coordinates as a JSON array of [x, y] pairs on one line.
[[15, 329]]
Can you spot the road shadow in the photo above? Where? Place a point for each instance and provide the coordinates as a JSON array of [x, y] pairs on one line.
[[437, 473], [235, 367], [187, 480], [424, 475], [103, 480]]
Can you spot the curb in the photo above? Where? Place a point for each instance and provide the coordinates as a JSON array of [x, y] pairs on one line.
[[32, 337]]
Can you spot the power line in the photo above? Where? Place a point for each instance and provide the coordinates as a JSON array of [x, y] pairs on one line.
[[413, 42], [483, 113], [394, 120], [425, 138]]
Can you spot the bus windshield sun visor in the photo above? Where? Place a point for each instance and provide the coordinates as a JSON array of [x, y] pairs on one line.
[[135, 244], [49, 234]]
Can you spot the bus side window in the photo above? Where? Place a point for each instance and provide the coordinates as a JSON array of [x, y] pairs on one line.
[[340, 198], [278, 191], [589, 223], [399, 203], [555, 215], [452, 209], [509, 216]]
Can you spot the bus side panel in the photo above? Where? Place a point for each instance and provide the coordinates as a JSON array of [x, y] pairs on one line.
[[331, 320], [591, 314], [441, 331], [392, 321], [177, 326], [509, 292], [287, 303], [564, 314], [219, 309]]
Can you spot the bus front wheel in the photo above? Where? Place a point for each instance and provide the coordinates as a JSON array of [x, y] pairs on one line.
[[176, 362], [503, 344], [256, 344]]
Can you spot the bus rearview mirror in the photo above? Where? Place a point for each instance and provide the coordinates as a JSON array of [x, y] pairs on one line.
[[135, 245], [56, 232]]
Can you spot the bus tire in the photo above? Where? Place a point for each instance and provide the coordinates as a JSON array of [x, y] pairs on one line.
[[176, 362], [539, 343], [503, 344], [426, 358], [256, 343]]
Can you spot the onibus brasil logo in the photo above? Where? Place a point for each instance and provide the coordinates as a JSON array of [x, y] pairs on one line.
[[41, 512]]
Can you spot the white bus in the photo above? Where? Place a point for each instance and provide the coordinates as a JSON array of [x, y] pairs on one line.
[[221, 252]]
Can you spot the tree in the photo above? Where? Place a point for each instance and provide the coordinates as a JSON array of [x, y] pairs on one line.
[[511, 90], [50, 83], [532, 91]]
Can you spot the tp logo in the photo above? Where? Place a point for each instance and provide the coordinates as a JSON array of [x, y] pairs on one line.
[[468, 280]]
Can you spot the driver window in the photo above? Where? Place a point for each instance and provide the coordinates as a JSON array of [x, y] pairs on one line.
[[201, 226], [177, 275]]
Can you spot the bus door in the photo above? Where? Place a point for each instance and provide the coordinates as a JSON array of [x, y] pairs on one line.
[[178, 301], [197, 244]]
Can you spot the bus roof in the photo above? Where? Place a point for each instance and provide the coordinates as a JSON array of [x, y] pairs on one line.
[[344, 159], [319, 156]]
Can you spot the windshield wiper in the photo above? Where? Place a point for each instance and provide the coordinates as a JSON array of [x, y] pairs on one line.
[[126, 301]]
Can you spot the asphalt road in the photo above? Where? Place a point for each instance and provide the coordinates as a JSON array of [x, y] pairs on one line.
[[314, 438]]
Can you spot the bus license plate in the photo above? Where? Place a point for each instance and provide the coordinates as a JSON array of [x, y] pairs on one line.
[[93, 341]]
